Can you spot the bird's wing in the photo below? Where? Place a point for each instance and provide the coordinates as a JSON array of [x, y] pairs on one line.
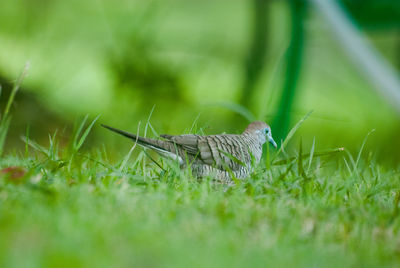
[[189, 143], [221, 151], [227, 151]]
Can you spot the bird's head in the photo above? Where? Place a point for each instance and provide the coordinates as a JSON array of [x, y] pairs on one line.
[[262, 130]]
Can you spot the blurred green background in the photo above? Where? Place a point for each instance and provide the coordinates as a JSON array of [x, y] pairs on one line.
[[195, 61]]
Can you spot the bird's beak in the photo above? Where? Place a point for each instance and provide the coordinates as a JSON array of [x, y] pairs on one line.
[[271, 140]]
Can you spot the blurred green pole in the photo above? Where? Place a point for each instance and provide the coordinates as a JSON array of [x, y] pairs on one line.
[[281, 123], [255, 59]]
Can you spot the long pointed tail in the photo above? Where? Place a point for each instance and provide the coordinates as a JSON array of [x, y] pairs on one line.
[[165, 148], [123, 133], [146, 142]]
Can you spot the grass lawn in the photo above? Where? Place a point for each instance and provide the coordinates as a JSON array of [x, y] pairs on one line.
[[71, 209]]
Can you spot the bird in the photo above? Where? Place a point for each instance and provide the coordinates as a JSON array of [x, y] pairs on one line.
[[222, 156]]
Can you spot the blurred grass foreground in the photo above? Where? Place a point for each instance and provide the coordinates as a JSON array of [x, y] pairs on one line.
[[72, 194]]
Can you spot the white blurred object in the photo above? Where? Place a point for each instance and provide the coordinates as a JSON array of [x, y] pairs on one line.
[[369, 61]]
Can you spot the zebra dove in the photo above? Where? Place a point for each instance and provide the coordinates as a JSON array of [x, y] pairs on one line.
[[219, 155]]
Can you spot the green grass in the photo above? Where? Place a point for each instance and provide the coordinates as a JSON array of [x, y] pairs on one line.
[[73, 208], [61, 206]]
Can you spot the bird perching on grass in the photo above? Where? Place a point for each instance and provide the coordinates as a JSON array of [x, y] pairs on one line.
[[219, 155]]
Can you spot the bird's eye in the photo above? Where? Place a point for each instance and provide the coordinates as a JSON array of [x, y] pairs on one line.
[[266, 130]]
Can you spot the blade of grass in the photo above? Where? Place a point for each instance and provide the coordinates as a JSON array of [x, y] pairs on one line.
[[362, 147], [5, 117], [353, 163], [4, 125], [36, 146], [194, 125], [53, 147], [154, 161], [26, 142], [126, 158], [145, 133], [347, 165], [267, 159], [232, 157], [284, 174], [15, 89], [315, 154], [291, 134], [78, 132], [311, 155], [148, 120], [86, 133], [300, 168]]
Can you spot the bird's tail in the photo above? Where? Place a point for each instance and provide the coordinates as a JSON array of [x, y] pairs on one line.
[[162, 147], [140, 140], [123, 133]]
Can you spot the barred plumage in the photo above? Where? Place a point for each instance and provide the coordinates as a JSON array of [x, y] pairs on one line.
[[218, 155]]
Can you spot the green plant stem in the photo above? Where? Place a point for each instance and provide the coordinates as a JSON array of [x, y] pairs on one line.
[[15, 89], [294, 61]]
